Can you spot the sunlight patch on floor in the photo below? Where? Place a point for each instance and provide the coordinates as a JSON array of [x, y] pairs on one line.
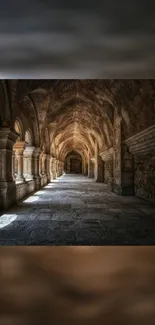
[[6, 219], [39, 193], [32, 199]]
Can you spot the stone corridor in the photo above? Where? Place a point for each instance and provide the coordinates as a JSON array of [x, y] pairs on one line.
[[75, 210]]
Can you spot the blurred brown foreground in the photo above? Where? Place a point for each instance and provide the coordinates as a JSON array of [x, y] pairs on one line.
[[77, 285]]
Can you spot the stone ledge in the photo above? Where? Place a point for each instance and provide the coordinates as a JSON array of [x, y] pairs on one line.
[[107, 154], [143, 142]]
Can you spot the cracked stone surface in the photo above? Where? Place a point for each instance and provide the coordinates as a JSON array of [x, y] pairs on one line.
[[75, 210]]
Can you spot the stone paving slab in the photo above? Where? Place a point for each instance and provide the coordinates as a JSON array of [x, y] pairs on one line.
[[75, 210]]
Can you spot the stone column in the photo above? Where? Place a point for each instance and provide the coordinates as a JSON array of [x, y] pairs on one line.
[[36, 167], [61, 168], [44, 157], [7, 184], [90, 168], [58, 168], [107, 167], [84, 166], [51, 167], [54, 168], [98, 170], [19, 150], [48, 158], [122, 163], [28, 156], [40, 164], [13, 165]]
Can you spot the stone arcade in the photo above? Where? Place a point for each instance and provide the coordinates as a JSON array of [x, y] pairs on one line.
[[102, 129]]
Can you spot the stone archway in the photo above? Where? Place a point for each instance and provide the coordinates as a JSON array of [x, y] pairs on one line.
[[73, 163]]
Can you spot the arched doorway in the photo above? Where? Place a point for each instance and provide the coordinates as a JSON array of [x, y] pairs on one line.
[[73, 163]]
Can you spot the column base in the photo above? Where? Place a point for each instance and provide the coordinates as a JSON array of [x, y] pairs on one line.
[[123, 190], [37, 182], [20, 180], [48, 178], [51, 176], [54, 175], [7, 195]]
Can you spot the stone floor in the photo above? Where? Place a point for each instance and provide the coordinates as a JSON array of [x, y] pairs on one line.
[[74, 210]]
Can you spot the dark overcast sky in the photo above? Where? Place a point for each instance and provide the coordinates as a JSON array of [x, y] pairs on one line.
[[82, 39]]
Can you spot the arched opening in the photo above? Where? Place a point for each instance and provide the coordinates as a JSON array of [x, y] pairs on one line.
[[17, 158], [27, 156], [73, 163], [28, 138]]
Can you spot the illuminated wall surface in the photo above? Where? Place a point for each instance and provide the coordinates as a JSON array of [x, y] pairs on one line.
[[81, 39]]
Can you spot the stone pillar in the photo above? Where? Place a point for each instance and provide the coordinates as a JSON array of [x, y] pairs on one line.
[[40, 164], [13, 165], [28, 156], [98, 165], [122, 163], [36, 168], [51, 168], [107, 166], [84, 166], [61, 168], [44, 167], [48, 158], [7, 184], [54, 168], [19, 150], [90, 168], [58, 172]]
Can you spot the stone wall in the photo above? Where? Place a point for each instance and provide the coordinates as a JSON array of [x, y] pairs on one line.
[[145, 176], [127, 175], [117, 156], [142, 146], [24, 189]]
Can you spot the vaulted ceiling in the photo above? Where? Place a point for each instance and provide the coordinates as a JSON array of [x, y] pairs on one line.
[[74, 114]]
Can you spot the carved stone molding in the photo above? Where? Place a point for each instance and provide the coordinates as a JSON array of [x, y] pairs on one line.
[[143, 142], [107, 154], [7, 138], [36, 153], [28, 152], [19, 146]]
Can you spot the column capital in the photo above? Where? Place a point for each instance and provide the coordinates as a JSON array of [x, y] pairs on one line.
[[28, 152], [44, 156], [36, 152], [19, 147], [48, 157], [107, 154]]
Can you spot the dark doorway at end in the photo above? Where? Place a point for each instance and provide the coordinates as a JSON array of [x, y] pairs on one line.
[[73, 163]]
